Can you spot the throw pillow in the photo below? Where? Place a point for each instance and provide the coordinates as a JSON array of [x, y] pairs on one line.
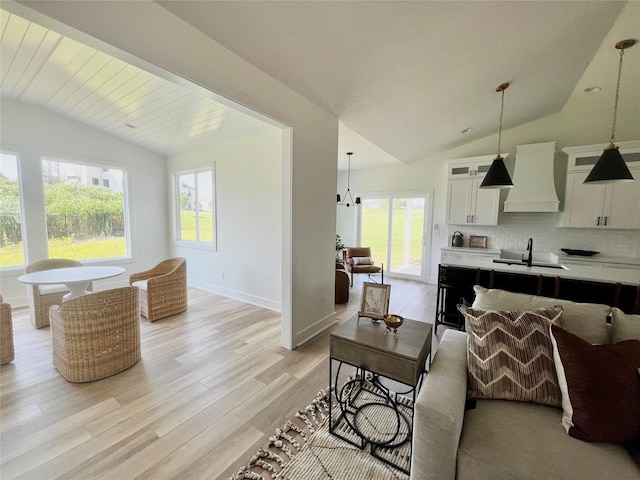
[[509, 354], [362, 261], [600, 387], [624, 326]]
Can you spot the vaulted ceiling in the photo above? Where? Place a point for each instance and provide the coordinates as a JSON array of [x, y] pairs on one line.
[[42, 67], [404, 78]]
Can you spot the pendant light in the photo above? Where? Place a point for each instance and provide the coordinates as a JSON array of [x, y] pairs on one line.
[[347, 196], [497, 176], [610, 167]]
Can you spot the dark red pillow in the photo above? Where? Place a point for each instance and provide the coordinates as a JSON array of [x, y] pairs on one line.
[[600, 387]]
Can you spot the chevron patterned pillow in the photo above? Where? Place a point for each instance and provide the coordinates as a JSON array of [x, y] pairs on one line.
[[510, 355]]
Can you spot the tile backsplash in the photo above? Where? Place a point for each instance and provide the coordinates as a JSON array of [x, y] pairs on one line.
[[515, 229]]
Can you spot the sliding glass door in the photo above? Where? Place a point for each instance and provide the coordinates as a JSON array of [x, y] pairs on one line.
[[394, 228]]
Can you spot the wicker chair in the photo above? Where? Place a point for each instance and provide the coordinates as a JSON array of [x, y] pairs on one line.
[[163, 289], [6, 333], [95, 336], [42, 297]]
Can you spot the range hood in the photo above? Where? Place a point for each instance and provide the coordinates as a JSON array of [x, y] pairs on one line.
[[533, 189]]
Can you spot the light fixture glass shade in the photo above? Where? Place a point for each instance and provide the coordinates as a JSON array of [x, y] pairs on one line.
[[497, 176], [609, 168]]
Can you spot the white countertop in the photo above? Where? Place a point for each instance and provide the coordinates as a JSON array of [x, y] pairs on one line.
[[578, 272], [598, 258]]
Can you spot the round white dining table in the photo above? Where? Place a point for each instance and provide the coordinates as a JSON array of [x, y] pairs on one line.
[[76, 279]]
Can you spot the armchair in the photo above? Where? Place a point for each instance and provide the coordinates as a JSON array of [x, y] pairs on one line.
[[359, 261], [163, 289], [6, 333], [42, 297], [95, 336]]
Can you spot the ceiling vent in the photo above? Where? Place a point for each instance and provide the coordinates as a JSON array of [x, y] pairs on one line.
[[534, 189]]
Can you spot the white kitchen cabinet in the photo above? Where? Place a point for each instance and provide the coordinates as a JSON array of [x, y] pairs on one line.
[[613, 205], [467, 203]]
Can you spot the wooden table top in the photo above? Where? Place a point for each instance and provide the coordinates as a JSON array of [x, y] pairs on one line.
[[412, 336]]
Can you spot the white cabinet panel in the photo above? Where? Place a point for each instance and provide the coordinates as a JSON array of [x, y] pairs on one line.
[[615, 205], [612, 205], [467, 204], [487, 204], [622, 203]]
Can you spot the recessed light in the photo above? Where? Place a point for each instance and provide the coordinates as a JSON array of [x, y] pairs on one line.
[[592, 89], [130, 125], [467, 130]]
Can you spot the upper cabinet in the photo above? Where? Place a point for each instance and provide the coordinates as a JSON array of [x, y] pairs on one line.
[[614, 205], [467, 203]]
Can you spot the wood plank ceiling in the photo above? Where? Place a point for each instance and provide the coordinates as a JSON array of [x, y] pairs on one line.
[[41, 67]]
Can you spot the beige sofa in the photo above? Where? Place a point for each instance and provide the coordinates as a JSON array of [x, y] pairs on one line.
[[501, 439]]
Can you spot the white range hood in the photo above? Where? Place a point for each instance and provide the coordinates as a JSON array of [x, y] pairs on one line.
[[533, 189]]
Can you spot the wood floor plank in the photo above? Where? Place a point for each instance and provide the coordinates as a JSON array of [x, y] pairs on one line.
[[212, 386]]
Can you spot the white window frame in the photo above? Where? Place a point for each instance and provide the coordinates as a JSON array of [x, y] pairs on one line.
[[105, 166], [205, 245], [21, 204]]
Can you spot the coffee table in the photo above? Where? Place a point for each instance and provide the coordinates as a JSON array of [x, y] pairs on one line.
[[379, 416], [76, 279]]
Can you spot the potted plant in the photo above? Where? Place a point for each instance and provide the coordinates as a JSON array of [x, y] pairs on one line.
[[339, 247]]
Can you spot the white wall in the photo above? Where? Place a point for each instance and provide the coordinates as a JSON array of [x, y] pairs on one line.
[[309, 152], [249, 220], [32, 132]]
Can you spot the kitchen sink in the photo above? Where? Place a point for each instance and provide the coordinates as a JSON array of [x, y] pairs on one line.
[[539, 257], [514, 261]]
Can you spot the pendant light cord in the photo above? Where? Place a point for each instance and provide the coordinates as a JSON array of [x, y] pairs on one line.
[[500, 128], [615, 103]]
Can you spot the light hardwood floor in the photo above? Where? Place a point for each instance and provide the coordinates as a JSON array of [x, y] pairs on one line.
[[212, 386]]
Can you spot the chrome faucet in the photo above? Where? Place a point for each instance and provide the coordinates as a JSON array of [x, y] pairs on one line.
[[530, 252]]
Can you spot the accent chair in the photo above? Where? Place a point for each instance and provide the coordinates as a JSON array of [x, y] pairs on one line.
[[6, 333], [359, 261], [163, 289], [96, 336], [42, 297]]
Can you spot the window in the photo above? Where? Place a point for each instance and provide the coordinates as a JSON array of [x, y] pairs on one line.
[[11, 246], [85, 221], [394, 229], [195, 205], [105, 182]]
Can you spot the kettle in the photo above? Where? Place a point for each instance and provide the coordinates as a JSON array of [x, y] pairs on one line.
[[456, 240]]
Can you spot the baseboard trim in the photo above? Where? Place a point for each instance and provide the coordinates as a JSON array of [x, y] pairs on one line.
[[236, 295], [313, 330]]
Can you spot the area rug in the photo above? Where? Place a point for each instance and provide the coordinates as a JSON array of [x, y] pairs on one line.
[[304, 449]]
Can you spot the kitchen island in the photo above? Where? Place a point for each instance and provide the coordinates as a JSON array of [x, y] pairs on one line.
[[617, 287]]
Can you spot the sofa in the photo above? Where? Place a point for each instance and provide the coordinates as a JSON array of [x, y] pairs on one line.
[[456, 437]]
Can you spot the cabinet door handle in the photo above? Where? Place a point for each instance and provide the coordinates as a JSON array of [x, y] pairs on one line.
[[598, 222], [605, 221], [473, 218]]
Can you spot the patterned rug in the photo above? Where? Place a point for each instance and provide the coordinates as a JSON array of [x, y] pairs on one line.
[[303, 449]]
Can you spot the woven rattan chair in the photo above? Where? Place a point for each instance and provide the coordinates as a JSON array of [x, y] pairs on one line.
[[163, 289], [42, 297], [6, 333], [97, 335]]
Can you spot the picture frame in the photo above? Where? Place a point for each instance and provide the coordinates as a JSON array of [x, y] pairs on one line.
[[477, 241], [374, 302]]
